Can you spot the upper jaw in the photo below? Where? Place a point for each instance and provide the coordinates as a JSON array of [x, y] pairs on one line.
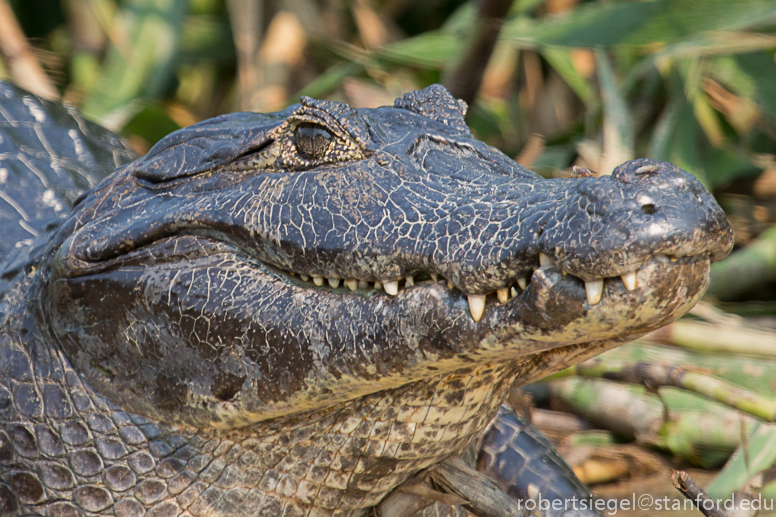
[[504, 262]]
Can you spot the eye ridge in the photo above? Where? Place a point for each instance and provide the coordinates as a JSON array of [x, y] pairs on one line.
[[312, 140]]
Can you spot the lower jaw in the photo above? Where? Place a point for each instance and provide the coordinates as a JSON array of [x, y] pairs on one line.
[[555, 310]]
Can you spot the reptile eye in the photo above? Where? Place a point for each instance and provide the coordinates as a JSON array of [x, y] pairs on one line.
[[312, 140]]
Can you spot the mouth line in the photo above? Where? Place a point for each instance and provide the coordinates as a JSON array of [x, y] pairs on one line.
[[511, 290]]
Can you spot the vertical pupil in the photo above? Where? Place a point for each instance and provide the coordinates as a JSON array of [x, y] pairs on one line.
[[312, 140]]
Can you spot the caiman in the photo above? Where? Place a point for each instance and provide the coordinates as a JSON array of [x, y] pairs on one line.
[[292, 313]]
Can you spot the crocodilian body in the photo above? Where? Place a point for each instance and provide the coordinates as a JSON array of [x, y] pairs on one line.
[[290, 314]]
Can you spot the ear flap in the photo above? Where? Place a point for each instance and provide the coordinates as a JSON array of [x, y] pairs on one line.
[[436, 103]]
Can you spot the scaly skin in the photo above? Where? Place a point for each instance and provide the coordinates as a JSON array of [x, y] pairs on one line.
[[167, 293]]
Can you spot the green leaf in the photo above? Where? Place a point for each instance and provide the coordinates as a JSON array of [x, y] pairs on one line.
[[677, 136], [761, 69], [590, 25], [152, 123], [329, 80], [206, 37], [140, 62], [559, 59], [760, 455], [618, 127], [429, 50], [724, 165], [640, 23]]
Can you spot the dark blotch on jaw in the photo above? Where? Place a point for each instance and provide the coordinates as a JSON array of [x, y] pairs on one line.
[[171, 393], [226, 386]]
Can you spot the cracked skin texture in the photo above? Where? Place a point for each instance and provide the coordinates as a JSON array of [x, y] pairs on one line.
[[157, 358]]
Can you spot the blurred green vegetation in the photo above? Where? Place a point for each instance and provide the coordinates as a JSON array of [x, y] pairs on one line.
[[570, 82], [689, 81]]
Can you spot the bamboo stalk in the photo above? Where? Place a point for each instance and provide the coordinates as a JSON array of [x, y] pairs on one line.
[[654, 376], [706, 438], [745, 269], [753, 373], [718, 338]]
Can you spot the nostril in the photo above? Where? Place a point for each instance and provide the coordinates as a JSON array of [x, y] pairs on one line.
[[646, 202]]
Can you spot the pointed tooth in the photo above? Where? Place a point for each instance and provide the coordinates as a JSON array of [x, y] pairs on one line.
[[379, 286], [363, 284], [334, 282], [594, 289], [629, 280], [391, 288], [514, 292], [318, 280], [477, 305], [450, 284], [545, 261], [434, 277], [409, 281], [304, 277], [352, 284], [292, 273], [503, 294], [522, 282]]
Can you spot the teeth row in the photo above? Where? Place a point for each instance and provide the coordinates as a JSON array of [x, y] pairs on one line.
[[476, 302], [594, 288]]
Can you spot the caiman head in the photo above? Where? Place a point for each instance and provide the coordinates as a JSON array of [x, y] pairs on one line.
[[253, 266]]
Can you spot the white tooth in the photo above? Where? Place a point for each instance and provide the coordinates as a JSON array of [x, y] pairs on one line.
[[545, 261], [410, 281], [318, 280], [391, 288], [503, 294], [594, 289], [434, 277], [476, 305], [672, 259], [629, 280], [304, 277], [378, 285], [334, 282], [450, 284], [514, 292], [352, 284], [522, 282], [363, 284]]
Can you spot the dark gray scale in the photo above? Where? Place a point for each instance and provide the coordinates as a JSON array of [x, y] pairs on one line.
[[49, 155], [523, 462]]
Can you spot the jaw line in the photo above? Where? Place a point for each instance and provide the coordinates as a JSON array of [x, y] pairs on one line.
[[550, 301]]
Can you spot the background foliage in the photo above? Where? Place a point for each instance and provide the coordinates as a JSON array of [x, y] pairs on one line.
[[569, 82]]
